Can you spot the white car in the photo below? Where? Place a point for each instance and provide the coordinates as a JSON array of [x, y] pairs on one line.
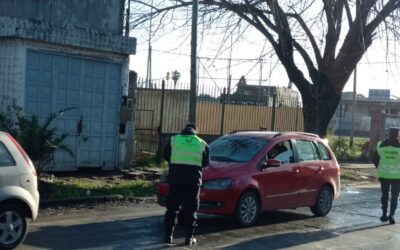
[[19, 196]]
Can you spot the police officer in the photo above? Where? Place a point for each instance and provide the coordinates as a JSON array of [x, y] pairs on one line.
[[387, 160], [186, 154]]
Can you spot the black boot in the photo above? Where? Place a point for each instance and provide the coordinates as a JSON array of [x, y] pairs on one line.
[[384, 218], [391, 219], [169, 234], [190, 241]]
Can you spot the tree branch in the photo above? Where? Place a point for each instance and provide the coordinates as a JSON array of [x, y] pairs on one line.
[[331, 37], [310, 36], [348, 13], [309, 63], [382, 15]]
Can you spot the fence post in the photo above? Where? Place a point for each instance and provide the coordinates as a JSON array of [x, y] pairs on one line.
[[223, 100], [273, 112], [160, 126], [297, 117]]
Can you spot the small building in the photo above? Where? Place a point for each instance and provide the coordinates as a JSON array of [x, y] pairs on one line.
[[59, 54], [341, 122]]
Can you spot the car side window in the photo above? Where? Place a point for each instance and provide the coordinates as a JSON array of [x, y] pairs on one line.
[[306, 150], [317, 153], [282, 151], [6, 160], [324, 151]]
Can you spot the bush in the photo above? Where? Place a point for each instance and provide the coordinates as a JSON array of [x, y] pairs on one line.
[[153, 162], [343, 151], [38, 139]]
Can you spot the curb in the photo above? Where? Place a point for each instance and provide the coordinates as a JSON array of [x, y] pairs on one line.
[[80, 200], [95, 199]]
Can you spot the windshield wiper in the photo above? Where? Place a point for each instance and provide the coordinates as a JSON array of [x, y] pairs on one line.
[[223, 158]]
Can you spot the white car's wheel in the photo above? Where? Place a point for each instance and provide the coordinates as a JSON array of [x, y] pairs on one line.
[[248, 209], [13, 226]]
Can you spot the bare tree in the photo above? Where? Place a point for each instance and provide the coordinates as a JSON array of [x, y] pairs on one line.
[[330, 37]]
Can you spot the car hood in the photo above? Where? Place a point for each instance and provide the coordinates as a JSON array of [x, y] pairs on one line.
[[217, 169]]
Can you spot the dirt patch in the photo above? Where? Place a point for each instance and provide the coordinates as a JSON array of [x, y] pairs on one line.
[[104, 177], [358, 175], [83, 183]]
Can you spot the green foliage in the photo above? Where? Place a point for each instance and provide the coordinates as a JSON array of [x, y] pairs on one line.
[[39, 140], [343, 151], [133, 188], [176, 75], [154, 162]]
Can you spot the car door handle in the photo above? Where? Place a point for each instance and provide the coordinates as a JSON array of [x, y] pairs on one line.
[[320, 169], [296, 170]]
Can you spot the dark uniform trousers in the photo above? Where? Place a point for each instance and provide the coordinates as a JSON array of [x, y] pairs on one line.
[[394, 187], [186, 197]]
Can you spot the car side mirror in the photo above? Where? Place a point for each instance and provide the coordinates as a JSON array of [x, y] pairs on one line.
[[269, 164], [273, 163]]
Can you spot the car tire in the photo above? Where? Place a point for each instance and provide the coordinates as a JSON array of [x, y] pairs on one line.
[[247, 209], [13, 226], [324, 202]]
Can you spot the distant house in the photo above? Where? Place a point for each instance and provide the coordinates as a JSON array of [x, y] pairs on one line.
[[341, 122], [57, 54], [262, 95]]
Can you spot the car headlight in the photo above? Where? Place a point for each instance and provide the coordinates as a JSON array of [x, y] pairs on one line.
[[218, 184], [164, 178]]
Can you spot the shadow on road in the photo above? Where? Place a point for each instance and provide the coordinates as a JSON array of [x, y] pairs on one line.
[[274, 230]]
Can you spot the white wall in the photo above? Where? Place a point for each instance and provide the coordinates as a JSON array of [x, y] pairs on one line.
[[12, 73]]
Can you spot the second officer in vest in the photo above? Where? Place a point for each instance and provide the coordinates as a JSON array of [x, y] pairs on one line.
[[387, 160], [186, 154]]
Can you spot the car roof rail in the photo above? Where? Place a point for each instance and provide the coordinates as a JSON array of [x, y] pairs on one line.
[[248, 130], [295, 133]]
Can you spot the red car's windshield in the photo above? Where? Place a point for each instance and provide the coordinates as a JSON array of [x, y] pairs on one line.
[[236, 148]]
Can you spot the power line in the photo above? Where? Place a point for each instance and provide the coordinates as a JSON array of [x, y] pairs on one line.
[[256, 58]]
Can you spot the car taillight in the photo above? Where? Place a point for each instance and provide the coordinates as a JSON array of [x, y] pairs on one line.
[[22, 152]]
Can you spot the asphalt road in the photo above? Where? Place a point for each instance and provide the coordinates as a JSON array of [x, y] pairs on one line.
[[353, 223]]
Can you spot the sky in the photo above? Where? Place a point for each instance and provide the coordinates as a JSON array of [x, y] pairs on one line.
[[171, 53]]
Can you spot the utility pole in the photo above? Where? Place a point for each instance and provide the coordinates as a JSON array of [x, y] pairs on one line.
[[228, 92], [261, 72], [128, 14], [148, 73], [353, 113], [193, 61]]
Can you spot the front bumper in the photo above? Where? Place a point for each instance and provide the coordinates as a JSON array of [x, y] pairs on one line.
[[221, 202]]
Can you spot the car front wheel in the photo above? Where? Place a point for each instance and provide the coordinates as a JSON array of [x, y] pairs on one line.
[[13, 226], [324, 202], [247, 209]]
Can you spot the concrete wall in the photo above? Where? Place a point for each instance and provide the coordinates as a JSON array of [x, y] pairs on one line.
[[106, 15], [12, 73], [66, 35], [13, 62]]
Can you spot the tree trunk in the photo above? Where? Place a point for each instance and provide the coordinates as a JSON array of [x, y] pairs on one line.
[[318, 109]]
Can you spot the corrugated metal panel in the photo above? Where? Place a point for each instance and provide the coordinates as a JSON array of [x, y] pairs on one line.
[[93, 88]]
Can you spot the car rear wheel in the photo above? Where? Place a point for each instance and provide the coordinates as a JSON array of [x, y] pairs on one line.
[[247, 209], [13, 226], [324, 202]]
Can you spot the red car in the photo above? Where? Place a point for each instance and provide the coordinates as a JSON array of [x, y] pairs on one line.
[[251, 172]]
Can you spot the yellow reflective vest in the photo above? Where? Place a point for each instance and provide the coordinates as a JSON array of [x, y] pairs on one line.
[[389, 163], [187, 150]]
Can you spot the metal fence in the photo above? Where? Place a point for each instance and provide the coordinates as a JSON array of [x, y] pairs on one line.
[[164, 110]]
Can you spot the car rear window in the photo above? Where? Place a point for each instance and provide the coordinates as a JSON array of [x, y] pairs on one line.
[[307, 150], [6, 158], [324, 151], [236, 148]]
